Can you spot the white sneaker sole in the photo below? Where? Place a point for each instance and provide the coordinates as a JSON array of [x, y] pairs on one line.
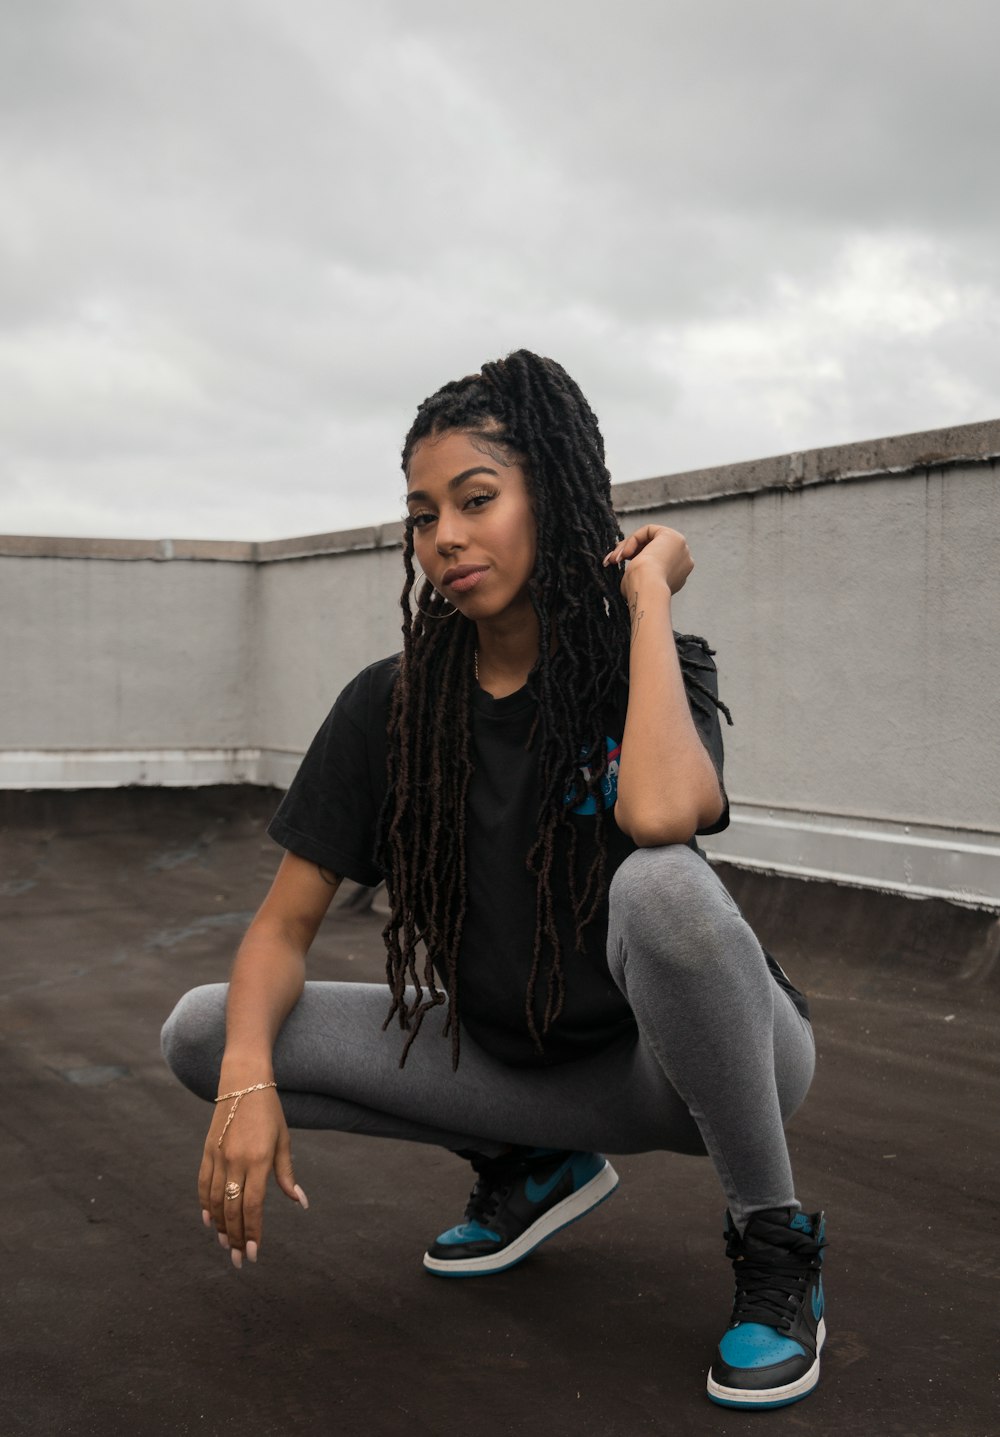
[[577, 1205], [770, 1396]]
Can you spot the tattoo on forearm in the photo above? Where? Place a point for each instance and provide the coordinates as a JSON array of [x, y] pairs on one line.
[[636, 615]]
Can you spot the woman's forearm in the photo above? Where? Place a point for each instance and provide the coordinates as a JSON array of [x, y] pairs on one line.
[[266, 983], [667, 784], [270, 968]]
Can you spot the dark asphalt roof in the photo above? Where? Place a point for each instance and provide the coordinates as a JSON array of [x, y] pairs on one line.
[[122, 1316]]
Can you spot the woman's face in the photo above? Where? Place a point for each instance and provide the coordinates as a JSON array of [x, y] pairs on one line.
[[474, 533]]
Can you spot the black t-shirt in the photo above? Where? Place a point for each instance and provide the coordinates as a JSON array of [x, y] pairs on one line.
[[330, 816]]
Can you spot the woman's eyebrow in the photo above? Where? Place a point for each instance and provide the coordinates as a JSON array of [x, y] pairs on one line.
[[453, 483]]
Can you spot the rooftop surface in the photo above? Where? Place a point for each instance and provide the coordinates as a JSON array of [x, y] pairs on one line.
[[122, 1316]]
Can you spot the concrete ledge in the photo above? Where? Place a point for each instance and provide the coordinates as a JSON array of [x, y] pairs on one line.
[[868, 459], [31, 546], [881, 946], [913, 859], [310, 546], [276, 767], [146, 768], [343, 541], [117, 768]]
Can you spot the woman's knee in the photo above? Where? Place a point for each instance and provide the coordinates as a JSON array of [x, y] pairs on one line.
[[668, 902], [670, 879], [194, 1037]]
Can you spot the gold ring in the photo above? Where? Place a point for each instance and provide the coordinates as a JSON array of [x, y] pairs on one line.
[[233, 1191]]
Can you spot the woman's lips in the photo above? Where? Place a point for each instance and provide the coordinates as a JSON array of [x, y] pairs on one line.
[[463, 579]]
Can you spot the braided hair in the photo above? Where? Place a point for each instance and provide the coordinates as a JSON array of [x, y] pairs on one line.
[[527, 410]]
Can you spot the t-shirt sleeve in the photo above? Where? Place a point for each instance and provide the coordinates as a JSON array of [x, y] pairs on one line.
[[330, 813], [701, 682]]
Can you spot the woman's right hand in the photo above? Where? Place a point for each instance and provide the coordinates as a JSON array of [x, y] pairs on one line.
[[267, 981], [256, 1144]]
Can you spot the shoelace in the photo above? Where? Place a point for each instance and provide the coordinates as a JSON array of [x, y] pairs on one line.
[[771, 1281], [769, 1292], [484, 1199], [494, 1179]]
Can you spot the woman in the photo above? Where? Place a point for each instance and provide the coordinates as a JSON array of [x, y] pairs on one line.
[[529, 776]]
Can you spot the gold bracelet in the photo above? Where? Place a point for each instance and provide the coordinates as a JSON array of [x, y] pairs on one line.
[[224, 1097]]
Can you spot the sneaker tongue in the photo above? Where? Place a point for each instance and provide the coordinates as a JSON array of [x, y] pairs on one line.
[[778, 1215], [770, 1231], [763, 1225]]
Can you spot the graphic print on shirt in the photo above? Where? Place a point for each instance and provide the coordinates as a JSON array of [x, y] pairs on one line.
[[609, 783]]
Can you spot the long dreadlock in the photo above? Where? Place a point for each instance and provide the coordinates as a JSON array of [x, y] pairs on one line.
[[531, 412]]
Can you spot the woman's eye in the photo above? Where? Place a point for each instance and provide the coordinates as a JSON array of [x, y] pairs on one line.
[[478, 500], [420, 521]]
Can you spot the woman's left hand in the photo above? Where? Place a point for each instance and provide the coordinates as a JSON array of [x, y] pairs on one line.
[[653, 549]]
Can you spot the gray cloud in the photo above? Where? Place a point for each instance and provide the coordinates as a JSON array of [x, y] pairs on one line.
[[240, 242]]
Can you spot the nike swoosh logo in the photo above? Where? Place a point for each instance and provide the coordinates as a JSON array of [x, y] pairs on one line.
[[817, 1300], [538, 1192]]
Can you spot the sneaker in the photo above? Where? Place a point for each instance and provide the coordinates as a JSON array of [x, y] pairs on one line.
[[519, 1200], [770, 1354]]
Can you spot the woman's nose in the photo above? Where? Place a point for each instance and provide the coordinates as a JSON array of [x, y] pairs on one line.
[[450, 532]]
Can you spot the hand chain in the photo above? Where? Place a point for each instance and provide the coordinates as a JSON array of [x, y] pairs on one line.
[[223, 1097]]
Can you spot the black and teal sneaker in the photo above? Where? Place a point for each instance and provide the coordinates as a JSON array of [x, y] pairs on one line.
[[770, 1354], [519, 1200]]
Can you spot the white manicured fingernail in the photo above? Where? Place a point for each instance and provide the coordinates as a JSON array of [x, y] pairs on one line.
[[252, 1251], [304, 1201], [237, 1257], [206, 1217], [223, 1240]]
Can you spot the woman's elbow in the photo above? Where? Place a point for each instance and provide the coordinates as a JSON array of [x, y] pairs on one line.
[[653, 829], [651, 825]]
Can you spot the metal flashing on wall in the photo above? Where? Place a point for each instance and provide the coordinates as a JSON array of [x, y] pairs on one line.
[[921, 860], [152, 768]]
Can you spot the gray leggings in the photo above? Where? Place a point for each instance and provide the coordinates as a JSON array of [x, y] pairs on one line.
[[721, 1059]]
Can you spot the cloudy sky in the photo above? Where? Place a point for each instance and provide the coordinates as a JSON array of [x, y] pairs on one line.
[[240, 240]]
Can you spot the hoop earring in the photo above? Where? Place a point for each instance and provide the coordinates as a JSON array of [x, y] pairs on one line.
[[426, 615]]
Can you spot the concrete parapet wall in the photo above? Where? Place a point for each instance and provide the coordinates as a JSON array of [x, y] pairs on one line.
[[855, 627], [855, 633], [322, 620], [96, 654], [853, 622]]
